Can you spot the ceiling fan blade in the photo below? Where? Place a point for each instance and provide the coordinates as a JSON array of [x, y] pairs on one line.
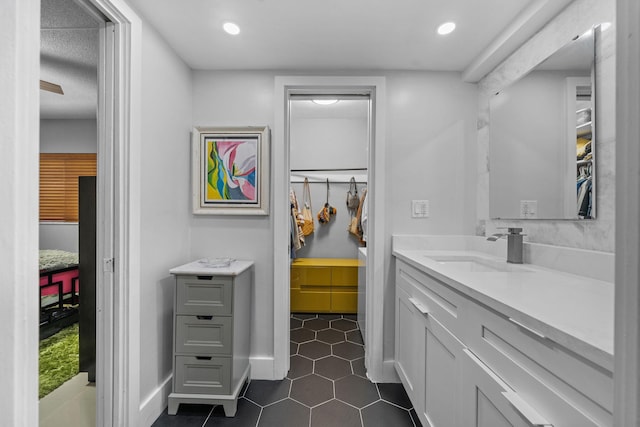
[[51, 87]]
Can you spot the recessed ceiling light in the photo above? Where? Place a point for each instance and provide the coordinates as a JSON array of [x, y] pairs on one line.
[[231, 28], [324, 101], [446, 28]]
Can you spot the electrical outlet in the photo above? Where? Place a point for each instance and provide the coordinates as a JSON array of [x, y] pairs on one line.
[[528, 209], [420, 208]]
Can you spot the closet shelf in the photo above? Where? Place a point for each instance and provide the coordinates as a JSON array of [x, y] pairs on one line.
[[335, 176]]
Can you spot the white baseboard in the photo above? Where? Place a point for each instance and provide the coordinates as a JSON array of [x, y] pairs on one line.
[[389, 374], [262, 368], [153, 406]]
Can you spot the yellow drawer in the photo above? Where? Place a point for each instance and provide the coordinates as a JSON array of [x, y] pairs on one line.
[[344, 302], [310, 276], [305, 301], [324, 285], [344, 276]]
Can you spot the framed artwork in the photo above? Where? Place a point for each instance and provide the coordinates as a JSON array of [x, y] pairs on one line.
[[230, 168]]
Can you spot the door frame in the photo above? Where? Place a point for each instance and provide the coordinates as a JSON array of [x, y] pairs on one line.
[[376, 88], [118, 240]]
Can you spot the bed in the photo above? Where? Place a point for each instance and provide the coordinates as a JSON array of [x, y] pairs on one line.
[[59, 282]]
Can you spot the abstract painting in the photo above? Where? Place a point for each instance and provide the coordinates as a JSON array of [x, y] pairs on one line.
[[232, 171]]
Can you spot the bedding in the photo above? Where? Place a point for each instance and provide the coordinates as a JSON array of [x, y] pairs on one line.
[[58, 278]]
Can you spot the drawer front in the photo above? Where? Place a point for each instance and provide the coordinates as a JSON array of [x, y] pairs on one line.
[[204, 295], [311, 300], [303, 276], [344, 300], [344, 276], [436, 298], [202, 375], [568, 389], [203, 335]]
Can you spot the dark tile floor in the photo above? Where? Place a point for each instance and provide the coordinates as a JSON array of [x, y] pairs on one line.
[[326, 386]]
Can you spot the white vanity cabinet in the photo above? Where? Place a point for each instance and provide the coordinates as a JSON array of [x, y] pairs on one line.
[[427, 353], [212, 336], [466, 364], [484, 395]]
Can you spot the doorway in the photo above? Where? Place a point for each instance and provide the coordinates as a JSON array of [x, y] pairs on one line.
[[328, 147], [374, 88], [70, 55]]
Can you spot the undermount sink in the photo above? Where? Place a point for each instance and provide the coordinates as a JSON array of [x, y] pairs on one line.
[[468, 263]]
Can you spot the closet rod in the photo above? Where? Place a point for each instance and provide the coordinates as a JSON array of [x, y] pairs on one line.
[[329, 170], [330, 182]]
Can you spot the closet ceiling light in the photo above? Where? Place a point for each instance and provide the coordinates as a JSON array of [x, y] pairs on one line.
[[446, 28], [324, 101], [231, 28]]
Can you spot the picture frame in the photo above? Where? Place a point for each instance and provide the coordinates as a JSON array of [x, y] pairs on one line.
[[230, 170]]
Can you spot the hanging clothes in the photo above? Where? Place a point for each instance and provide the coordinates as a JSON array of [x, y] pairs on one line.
[[364, 216], [297, 237]]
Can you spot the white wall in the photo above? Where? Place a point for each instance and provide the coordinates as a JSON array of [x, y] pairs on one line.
[[577, 18], [65, 136], [431, 122], [431, 126], [165, 210], [238, 98]]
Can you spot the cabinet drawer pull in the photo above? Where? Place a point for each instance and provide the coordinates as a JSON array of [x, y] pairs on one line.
[[421, 308], [205, 277], [204, 317], [530, 414], [533, 331], [204, 357]]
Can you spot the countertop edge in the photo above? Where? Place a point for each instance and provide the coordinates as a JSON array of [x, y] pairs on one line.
[[236, 268], [586, 350]]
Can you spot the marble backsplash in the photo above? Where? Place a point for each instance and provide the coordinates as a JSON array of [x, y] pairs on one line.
[[597, 234]]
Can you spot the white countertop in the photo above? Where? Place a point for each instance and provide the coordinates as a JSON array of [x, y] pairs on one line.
[[199, 267], [574, 311]]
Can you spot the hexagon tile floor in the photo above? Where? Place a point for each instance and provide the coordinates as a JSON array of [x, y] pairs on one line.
[[326, 386]]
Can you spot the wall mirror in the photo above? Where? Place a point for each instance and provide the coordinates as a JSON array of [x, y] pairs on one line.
[[542, 139]]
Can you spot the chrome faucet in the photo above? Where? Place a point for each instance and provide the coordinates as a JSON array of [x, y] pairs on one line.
[[514, 243]]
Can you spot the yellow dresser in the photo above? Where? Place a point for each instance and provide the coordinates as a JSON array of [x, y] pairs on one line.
[[324, 285]]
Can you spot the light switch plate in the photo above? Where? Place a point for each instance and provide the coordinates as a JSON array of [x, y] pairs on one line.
[[528, 209], [420, 208]]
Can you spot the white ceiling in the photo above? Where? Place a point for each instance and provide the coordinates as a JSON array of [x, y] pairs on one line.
[[330, 34], [299, 35], [68, 57]]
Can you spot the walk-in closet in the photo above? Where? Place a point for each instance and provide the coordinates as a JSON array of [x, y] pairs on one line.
[[329, 140]]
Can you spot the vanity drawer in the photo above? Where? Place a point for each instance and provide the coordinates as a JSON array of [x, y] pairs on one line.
[[204, 295], [564, 386], [434, 297], [203, 334], [202, 375]]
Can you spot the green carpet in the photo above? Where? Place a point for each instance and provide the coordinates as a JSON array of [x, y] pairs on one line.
[[59, 359]]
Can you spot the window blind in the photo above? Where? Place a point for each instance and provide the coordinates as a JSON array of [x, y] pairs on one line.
[[59, 184]]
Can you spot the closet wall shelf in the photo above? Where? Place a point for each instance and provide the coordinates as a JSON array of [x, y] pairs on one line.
[[320, 176], [584, 162]]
